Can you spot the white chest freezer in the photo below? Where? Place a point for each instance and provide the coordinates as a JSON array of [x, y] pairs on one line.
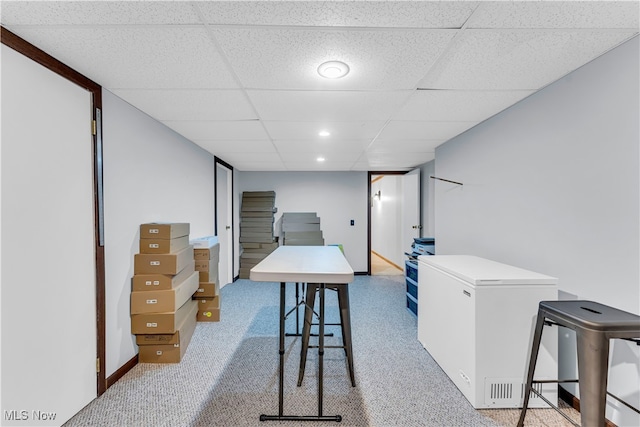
[[477, 319]]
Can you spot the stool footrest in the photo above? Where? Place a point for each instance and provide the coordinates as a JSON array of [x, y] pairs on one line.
[[327, 346], [553, 381], [560, 411]]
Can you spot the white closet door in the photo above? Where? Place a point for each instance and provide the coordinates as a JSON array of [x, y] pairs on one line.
[[48, 260], [411, 227], [224, 216]]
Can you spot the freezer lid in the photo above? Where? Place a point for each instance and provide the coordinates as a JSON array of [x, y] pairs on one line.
[[483, 272]]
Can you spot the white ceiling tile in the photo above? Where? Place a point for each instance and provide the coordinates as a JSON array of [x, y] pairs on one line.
[[351, 13], [141, 57], [556, 14], [327, 146], [318, 106], [398, 130], [316, 166], [517, 59], [454, 105], [190, 104], [249, 157], [259, 166], [289, 157], [309, 130], [361, 165], [277, 58], [218, 130], [237, 146], [399, 160], [97, 12], [404, 146]]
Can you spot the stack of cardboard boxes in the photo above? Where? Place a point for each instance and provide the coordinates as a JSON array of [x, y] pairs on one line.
[[163, 314], [206, 254], [300, 229], [256, 229]]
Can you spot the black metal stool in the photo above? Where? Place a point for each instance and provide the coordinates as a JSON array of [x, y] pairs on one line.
[[345, 324], [594, 324]]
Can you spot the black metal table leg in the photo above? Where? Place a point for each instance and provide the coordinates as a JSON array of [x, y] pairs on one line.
[[320, 350], [281, 351], [281, 416]]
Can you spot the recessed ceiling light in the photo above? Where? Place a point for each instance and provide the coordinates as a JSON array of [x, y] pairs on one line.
[[324, 133], [320, 159], [333, 69]]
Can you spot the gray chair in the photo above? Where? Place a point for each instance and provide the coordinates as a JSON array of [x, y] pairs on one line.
[[345, 324], [594, 324]]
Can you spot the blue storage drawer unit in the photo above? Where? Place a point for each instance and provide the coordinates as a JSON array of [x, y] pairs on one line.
[[411, 281]]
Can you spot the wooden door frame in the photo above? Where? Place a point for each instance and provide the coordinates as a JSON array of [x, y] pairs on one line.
[[37, 55]]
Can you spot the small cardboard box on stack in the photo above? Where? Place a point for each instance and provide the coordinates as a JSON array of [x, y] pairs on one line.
[[163, 316], [206, 253]]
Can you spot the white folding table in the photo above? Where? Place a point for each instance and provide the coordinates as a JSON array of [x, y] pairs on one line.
[[305, 264]]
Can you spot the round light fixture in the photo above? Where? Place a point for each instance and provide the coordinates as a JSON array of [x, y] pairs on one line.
[[320, 159], [324, 133], [333, 69]]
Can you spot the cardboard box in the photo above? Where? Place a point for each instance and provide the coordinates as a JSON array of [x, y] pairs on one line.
[[161, 323], [208, 310], [165, 300], [207, 290], [161, 230], [163, 246], [209, 276], [170, 353], [166, 339], [212, 253], [206, 265], [163, 263], [258, 194], [160, 282], [204, 242]]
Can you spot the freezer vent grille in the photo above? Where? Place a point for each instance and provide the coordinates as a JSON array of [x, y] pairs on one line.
[[508, 392], [537, 387], [501, 391]]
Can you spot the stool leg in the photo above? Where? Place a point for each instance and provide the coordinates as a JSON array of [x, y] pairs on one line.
[[593, 363], [345, 323], [535, 346], [306, 327]]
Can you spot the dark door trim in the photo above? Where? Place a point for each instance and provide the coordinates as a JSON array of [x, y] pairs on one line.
[[369, 175], [219, 161], [22, 46]]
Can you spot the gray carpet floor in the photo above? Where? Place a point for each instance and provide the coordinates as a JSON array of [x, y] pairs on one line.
[[229, 374]]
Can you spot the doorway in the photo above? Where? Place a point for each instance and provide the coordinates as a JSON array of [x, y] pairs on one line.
[[394, 219], [224, 220], [56, 164]]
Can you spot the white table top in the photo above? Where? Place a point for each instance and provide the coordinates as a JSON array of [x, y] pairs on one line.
[[307, 264]]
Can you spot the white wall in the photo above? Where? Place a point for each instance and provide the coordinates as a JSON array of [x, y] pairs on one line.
[[427, 201], [552, 185], [151, 174], [386, 219], [337, 197]]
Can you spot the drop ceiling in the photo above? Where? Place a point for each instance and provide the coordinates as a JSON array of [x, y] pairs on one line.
[[240, 78]]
